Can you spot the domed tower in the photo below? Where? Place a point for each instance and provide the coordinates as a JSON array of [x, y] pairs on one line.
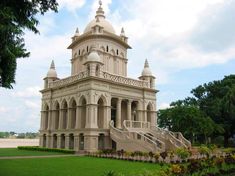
[[51, 75], [111, 48], [147, 75], [93, 63]]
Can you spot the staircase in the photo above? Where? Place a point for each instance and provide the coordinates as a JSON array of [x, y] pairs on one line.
[[142, 136], [134, 141]]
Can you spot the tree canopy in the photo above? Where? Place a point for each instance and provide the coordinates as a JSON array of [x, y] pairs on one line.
[[208, 113], [15, 17]]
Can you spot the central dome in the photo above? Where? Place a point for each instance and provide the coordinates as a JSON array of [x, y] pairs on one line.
[[101, 22]]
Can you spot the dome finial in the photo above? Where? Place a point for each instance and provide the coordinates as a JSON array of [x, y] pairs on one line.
[[100, 3], [100, 12]]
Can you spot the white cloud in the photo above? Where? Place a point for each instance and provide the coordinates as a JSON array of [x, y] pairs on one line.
[[28, 92], [3, 109], [163, 106], [71, 5], [33, 104]]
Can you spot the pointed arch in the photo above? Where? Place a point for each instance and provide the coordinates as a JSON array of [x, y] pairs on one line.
[[73, 112], [46, 116], [101, 113], [149, 109], [56, 108], [82, 104]]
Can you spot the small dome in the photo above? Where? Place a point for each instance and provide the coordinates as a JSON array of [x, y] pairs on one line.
[[93, 57], [52, 72], [146, 71]]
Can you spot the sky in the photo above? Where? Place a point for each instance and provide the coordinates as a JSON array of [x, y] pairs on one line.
[[187, 43]]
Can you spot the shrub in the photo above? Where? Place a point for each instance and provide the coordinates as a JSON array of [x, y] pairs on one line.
[[36, 148], [156, 156], [204, 150], [163, 155], [182, 153]]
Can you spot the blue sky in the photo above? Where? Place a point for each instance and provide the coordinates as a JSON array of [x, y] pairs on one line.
[[187, 43]]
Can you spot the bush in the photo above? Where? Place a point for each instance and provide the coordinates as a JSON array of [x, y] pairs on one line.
[[182, 153], [204, 150], [36, 148]]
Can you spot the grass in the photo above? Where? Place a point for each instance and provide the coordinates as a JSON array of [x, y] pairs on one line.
[[16, 152], [71, 166]]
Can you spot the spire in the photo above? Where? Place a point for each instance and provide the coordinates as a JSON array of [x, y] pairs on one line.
[[146, 64], [77, 31], [100, 11], [52, 65], [122, 32]]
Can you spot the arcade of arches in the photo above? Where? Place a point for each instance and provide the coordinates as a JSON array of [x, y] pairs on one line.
[[64, 119]]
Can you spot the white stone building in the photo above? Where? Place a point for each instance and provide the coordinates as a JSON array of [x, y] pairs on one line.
[[98, 106]]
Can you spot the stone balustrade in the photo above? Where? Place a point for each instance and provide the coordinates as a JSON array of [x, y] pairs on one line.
[[104, 75]]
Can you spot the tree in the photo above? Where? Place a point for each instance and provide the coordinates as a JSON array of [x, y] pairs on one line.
[[217, 100], [15, 17], [187, 119]]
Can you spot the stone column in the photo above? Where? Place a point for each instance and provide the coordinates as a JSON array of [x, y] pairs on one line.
[[90, 143], [129, 109], [78, 117], [48, 141], [76, 142], [58, 141], [107, 112], [61, 119], [118, 113], [69, 114], [66, 141], [42, 120], [91, 116], [49, 120]]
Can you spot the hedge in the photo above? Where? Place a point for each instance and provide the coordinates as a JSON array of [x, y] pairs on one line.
[[36, 148]]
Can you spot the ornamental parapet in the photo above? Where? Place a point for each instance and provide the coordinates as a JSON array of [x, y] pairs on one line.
[[104, 75]]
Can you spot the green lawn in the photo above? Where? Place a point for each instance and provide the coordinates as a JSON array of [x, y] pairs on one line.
[[16, 152], [70, 166]]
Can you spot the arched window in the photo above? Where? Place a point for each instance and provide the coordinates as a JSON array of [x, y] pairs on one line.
[[87, 48], [107, 48], [79, 52], [117, 51]]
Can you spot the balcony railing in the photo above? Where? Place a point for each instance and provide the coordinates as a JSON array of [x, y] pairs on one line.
[[103, 75]]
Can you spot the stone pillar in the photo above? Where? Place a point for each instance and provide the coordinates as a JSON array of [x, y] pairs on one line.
[[42, 120], [78, 118], [91, 143], [69, 118], [48, 141], [91, 116], [107, 112], [66, 141], [61, 119], [129, 109], [49, 119], [76, 142], [118, 113], [58, 141]]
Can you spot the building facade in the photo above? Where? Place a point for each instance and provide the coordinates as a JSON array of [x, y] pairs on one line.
[[98, 106]]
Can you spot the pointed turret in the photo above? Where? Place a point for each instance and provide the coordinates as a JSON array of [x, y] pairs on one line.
[[52, 72], [147, 75], [122, 32]]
